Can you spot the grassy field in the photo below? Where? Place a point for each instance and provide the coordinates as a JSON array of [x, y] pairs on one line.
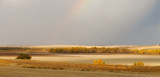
[[10, 71], [77, 66], [80, 67], [150, 60], [44, 64]]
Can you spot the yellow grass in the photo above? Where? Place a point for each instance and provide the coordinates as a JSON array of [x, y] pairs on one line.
[[138, 64], [81, 67], [99, 62]]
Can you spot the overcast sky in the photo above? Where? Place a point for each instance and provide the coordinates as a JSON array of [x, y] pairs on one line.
[[79, 22]]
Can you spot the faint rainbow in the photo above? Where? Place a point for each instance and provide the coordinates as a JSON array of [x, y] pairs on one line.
[[78, 7]]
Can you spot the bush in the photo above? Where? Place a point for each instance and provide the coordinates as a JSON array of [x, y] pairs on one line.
[[23, 56], [99, 62], [138, 64]]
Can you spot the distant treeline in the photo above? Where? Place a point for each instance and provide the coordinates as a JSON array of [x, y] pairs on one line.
[[88, 50], [148, 51], [103, 50], [85, 50], [14, 48], [23, 49]]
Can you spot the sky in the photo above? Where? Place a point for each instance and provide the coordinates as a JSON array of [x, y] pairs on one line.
[[79, 22]]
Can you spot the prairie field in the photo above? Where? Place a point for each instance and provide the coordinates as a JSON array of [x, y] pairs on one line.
[[31, 68], [80, 65], [6, 71], [149, 60]]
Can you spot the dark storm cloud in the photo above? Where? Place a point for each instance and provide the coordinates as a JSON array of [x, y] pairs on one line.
[[100, 22]]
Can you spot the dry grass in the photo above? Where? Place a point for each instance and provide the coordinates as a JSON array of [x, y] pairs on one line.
[[150, 60], [81, 67]]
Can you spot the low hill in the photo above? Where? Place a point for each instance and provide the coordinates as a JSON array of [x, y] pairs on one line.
[[140, 47], [114, 46]]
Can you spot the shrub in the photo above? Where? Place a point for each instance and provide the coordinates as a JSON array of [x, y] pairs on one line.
[[138, 64], [99, 62], [23, 56]]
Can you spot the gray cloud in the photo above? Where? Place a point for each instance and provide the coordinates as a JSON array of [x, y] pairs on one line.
[[100, 22]]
